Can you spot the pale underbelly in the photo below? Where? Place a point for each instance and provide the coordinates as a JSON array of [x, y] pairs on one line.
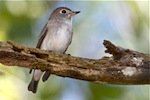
[[57, 44]]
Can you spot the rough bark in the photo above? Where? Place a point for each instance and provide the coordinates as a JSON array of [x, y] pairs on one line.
[[124, 67]]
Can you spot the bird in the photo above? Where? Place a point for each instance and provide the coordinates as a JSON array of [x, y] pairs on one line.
[[55, 36]]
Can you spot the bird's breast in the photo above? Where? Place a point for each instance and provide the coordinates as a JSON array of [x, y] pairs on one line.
[[58, 40]]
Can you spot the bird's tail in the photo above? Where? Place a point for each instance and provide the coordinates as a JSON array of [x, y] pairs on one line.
[[33, 85]]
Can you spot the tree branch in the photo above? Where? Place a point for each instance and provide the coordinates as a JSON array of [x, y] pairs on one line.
[[124, 67]]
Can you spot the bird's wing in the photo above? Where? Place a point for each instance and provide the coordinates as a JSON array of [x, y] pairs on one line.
[[42, 36]]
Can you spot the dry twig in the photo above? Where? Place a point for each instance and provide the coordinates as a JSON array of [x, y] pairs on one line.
[[124, 67]]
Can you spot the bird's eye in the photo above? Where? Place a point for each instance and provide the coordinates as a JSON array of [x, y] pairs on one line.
[[63, 11]]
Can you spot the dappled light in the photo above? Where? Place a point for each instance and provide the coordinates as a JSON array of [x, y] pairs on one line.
[[124, 23]]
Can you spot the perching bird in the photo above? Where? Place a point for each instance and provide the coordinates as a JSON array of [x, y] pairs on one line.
[[55, 36]]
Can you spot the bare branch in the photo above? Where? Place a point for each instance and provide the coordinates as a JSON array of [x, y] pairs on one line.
[[124, 67]]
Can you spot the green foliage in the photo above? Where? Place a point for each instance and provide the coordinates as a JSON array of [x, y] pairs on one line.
[[105, 92], [20, 29], [18, 20]]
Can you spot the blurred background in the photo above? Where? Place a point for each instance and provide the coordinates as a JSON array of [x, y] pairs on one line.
[[124, 23]]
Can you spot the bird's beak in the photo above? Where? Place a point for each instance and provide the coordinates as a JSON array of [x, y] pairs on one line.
[[74, 13]]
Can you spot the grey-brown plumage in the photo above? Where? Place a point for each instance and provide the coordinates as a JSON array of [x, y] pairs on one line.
[[56, 36], [46, 76]]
